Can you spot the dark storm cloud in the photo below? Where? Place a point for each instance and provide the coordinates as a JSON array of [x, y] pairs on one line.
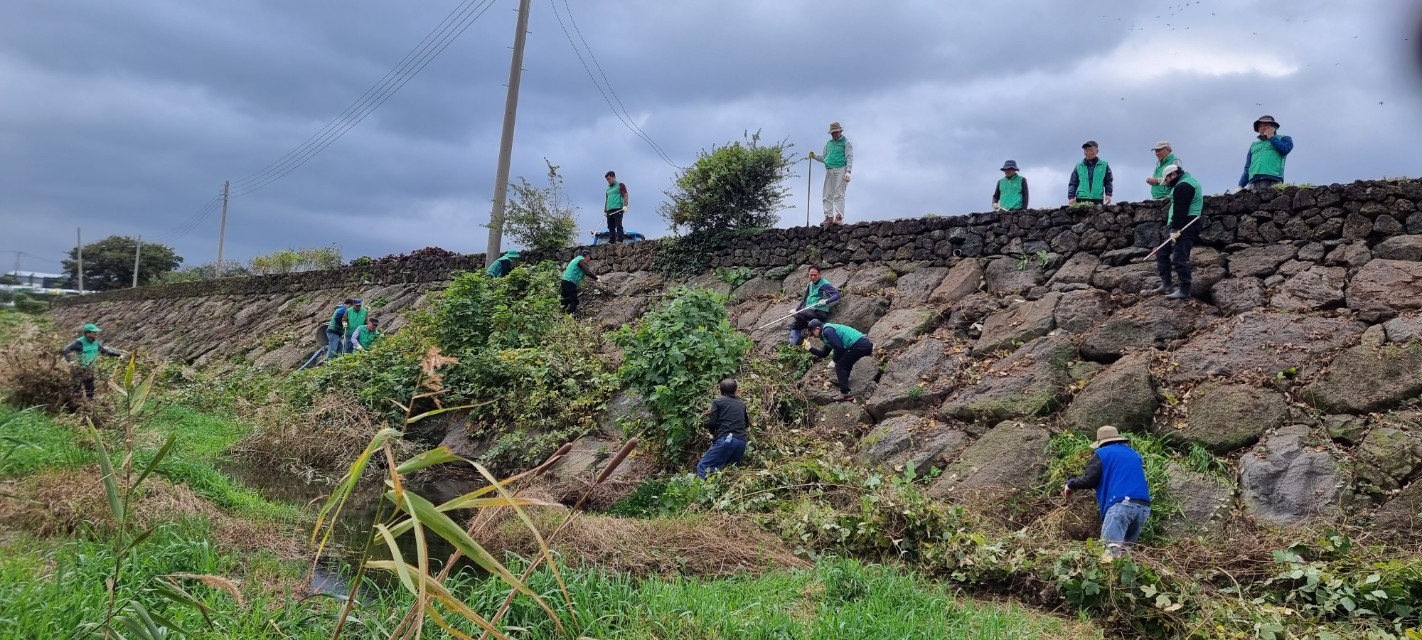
[[125, 118]]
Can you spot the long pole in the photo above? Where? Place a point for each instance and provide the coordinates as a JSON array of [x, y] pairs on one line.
[[809, 187], [137, 249], [79, 243], [501, 176], [221, 231]]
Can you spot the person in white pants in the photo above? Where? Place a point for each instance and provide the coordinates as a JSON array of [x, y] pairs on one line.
[[838, 158]]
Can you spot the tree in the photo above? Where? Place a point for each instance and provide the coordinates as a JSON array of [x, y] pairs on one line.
[[738, 186], [108, 263], [540, 219], [296, 260]]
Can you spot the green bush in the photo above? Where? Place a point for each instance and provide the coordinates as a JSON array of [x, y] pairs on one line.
[[26, 304], [676, 355], [738, 186]]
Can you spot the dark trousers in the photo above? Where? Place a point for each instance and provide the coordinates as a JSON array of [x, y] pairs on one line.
[[726, 450], [801, 321], [1177, 254], [614, 225], [84, 381], [844, 360], [569, 296]]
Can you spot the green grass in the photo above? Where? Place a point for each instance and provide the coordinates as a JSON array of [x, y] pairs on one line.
[[36, 442]]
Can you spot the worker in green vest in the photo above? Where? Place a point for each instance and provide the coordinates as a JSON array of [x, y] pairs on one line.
[[501, 267], [366, 335], [89, 348], [1264, 164], [838, 158], [1164, 157], [355, 319], [1091, 180], [573, 275], [1011, 192], [614, 206], [814, 305], [847, 344], [336, 330], [1182, 222]]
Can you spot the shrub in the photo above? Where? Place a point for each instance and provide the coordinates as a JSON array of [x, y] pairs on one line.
[[541, 219], [676, 355], [738, 186], [26, 304]]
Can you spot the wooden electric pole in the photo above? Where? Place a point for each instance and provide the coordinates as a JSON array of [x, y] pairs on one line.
[[221, 231], [79, 244], [501, 175], [137, 249]]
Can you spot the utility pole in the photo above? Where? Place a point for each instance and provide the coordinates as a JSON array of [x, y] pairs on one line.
[[221, 231], [501, 176], [79, 244], [137, 249]]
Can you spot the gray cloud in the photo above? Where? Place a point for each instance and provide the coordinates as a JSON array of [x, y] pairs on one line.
[[125, 118]]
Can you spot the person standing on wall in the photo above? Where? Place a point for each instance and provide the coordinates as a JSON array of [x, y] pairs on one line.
[[1090, 182], [1164, 157], [848, 346], [728, 423], [89, 349], [819, 295], [1011, 192], [1187, 203], [1117, 473], [838, 158], [501, 267], [1264, 164], [573, 275], [336, 330], [614, 206], [355, 319]]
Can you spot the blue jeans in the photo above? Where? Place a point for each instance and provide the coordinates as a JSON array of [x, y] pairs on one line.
[[1263, 183], [335, 344], [725, 450], [1122, 525]]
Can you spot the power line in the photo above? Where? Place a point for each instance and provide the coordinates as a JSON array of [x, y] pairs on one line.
[[192, 223], [444, 34], [622, 116]]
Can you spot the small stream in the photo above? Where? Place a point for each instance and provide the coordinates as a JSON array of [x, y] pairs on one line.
[[333, 573]]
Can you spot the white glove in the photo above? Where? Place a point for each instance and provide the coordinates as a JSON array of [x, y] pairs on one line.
[[846, 176], [996, 207]]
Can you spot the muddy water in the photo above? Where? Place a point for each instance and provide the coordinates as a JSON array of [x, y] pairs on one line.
[[357, 517]]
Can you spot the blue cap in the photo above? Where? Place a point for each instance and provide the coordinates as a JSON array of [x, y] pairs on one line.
[[1010, 164], [357, 300]]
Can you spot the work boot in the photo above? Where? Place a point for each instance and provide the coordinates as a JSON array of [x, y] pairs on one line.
[[839, 219], [843, 397], [1180, 293], [827, 221], [1165, 287]]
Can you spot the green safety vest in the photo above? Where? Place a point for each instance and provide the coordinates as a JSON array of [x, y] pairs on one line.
[[367, 337], [573, 273], [835, 157], [1265, 160], [1158, 191], [335, 323], [89, 351], [1010, 196], [814, 293], [500, 268], [1197, 204], [1096, 188], [847, 335], [614, 197], [355, 319]]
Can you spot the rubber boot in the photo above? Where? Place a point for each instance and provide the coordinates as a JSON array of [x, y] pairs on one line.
[[1180, 293], [796, 338], [1165, 287]]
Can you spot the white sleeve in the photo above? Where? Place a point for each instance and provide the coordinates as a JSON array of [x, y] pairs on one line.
[[848, 156]]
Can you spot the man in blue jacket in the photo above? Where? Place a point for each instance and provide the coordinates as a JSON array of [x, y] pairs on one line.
[[1264, 164], [1117, 473]]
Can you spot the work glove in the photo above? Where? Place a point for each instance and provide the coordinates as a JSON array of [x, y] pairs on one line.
[[846, 176], [1107, 200], [996, 207], [812, 155], [1175, 237], [806, 343]]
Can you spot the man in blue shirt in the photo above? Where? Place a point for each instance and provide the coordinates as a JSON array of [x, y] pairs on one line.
[[1117, 473], [1264, 164]]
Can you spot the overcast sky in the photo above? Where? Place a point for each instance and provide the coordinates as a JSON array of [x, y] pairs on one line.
[[125, 118]]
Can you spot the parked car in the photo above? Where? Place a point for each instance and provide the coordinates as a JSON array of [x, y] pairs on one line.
[[603, 237]]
